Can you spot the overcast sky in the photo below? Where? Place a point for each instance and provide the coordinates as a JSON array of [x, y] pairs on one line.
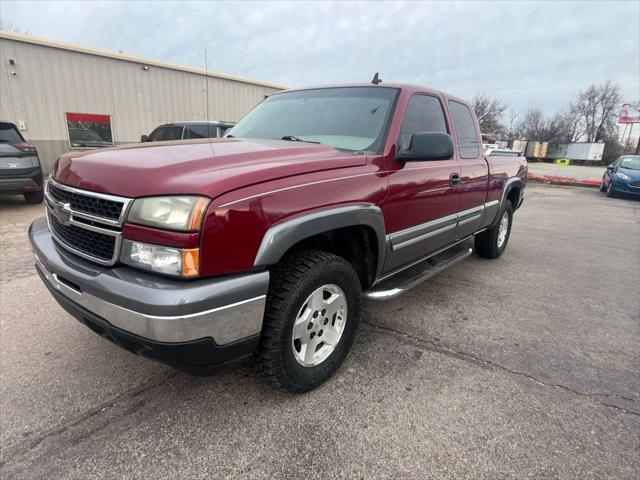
[[536, 54]]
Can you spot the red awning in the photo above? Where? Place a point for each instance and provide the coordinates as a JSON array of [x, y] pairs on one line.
[[87, 117]]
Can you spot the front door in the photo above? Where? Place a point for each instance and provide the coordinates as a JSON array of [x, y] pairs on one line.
[[421, 209]]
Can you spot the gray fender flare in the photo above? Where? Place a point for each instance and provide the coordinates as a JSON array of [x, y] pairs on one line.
[[282, 236], [510, 184]]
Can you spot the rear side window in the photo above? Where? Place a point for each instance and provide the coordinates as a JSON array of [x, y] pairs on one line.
[[424, 114], [9, 134], [199, 131], [468, 144]]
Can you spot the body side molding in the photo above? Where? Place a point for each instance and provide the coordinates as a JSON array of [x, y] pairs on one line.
[[417, 233], [283, 236]]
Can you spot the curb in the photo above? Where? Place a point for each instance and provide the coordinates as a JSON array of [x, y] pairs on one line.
[[572, 182]]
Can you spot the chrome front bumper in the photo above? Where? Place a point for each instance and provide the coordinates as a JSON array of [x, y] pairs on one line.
[[160, 309]]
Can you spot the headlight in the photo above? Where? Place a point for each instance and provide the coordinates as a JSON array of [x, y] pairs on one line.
[[171, 213], [183, 262], [623, 176]]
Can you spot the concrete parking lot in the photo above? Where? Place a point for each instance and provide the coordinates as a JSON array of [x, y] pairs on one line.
[[522, 367]]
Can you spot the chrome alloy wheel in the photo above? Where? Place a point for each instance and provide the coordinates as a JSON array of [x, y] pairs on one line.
[[503, 229], [319, 325]]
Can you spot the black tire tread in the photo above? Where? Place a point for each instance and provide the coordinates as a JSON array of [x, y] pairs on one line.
[[486, 243], [286, 279], [34, 197]]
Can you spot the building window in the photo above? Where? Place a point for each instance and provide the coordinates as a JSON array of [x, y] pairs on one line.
[[88, 130]]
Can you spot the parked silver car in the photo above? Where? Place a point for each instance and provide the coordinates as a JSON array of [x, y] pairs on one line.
[[20, 170]]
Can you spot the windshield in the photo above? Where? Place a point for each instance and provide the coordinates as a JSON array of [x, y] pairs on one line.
[[632, 163], [347, 118]]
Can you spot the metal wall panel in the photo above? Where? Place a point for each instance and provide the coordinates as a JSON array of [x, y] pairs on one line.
[[50, 81]]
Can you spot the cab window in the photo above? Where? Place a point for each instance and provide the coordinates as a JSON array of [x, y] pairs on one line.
[[424, 114], [467, 137]]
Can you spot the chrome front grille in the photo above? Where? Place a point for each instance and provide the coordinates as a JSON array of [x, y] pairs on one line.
[[91, 243], [86, 223], [80, 202]]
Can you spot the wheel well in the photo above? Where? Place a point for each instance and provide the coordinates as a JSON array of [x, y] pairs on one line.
[[358, 245], [514, 196]]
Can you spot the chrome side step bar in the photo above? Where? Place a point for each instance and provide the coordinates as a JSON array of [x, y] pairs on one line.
[[406, 280]]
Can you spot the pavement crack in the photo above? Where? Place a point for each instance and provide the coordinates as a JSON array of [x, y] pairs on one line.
[[470, 357], [28, 445]]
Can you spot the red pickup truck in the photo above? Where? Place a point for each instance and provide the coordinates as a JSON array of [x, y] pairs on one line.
[[202, 253]]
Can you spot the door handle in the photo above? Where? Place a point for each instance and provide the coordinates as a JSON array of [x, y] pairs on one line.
[[454, 179]]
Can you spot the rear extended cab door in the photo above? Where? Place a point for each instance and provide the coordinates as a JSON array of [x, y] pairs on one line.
[[420, 212], [474, 170]]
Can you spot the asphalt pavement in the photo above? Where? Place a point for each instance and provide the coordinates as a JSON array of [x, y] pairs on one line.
[[521, 367]]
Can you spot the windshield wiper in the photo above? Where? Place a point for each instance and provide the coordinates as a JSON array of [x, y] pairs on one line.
[[291, 138]]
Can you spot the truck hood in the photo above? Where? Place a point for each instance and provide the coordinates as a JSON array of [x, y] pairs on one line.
[[195, 167]]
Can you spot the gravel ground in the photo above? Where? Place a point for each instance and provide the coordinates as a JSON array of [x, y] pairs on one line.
[[522, 367]]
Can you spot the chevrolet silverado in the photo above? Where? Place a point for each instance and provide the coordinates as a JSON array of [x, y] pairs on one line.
[[204, 253]]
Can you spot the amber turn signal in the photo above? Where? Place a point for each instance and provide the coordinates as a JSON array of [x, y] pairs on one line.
[[197, 213], [190, 262]]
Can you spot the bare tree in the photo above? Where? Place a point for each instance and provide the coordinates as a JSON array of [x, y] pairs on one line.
[[568, 126], [595, 109], [560, 128], [489, 111], [513, 130], [10, 27], [534, 125]]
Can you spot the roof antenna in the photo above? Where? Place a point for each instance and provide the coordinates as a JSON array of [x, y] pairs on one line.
[[376, 79], [206, 79]]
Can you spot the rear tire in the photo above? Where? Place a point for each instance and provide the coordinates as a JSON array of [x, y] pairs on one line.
[[295, 284], [34, 197], [493, 241]]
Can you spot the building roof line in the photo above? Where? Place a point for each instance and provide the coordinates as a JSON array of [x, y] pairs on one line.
[[131, 58]]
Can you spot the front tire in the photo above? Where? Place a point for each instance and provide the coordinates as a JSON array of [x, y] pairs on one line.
[[34, 197], [492, 242], [611, 193], [311, 318]]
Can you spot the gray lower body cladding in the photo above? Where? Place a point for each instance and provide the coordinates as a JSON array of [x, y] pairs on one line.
[[149, 309]]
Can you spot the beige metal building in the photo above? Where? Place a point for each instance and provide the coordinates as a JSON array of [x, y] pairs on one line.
[[50, 89]]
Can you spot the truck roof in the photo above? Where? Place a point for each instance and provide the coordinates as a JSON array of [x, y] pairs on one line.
[[410, 88], [200, 122]]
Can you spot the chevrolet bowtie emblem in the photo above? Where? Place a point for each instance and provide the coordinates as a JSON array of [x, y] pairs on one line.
[[62, 212]]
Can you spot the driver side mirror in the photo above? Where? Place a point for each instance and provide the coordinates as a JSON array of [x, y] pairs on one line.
[[427, 146], [611, 168], [143, 138]]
